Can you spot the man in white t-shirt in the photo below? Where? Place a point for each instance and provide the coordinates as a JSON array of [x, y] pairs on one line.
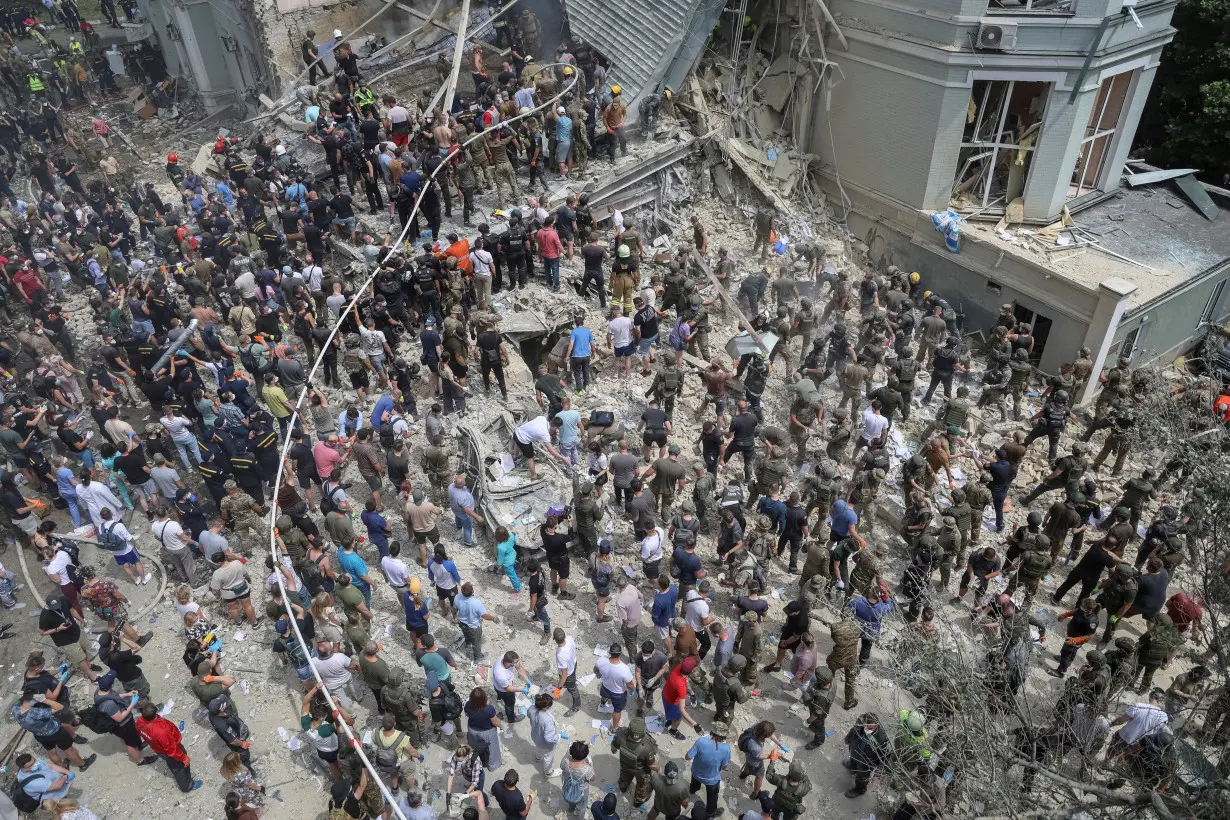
[[128, 559], [507, 684], [617, 678], [696, 613], [482, 263], [334, 669], [1140, 721], [566, 665], [174, 541], [874, 425], [395, 570], [535, 430], [619, 337]]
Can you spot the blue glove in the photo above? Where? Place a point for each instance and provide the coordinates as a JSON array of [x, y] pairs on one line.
[[72, 776], [134, 699], [63, 667]]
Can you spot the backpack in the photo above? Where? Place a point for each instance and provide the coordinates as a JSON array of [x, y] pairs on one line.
[[327, 504], [312, 577], [452, 705], [96, 721], [109, 540], [387, 435], [744, 738], [42, 385], [386, 756], [1035, 563], [24, 802]]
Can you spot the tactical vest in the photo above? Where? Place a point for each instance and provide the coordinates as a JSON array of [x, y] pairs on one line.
[[907, 371], [958, 412]]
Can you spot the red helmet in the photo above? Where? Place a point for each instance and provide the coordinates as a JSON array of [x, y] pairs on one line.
[[172, 158]]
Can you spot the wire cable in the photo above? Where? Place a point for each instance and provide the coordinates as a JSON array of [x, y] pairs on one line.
[[355, 743]]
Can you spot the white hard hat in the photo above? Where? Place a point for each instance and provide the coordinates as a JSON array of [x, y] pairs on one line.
[[279, 149], [337, 34]]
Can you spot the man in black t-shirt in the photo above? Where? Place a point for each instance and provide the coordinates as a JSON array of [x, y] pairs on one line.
[[555, 544], [655, 427], [64, 629], [594, 255], [743, 439], [645, 326], [489, 349]]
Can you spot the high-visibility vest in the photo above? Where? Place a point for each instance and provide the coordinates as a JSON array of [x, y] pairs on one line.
[[364, 96], [75, 47], [36, 83]]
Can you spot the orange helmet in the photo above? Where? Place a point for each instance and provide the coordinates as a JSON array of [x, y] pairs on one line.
[[172, 158]]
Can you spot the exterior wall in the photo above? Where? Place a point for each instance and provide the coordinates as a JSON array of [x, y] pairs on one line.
[[1168, 324], [898, 114], [979, 279]]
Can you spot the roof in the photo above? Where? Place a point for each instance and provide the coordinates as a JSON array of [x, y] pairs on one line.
[[638, 36], [1153, 225]]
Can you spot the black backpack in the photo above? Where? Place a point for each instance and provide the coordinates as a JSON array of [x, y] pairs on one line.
[[96, 721], [387, 434], [312, 577], [327, 504], [110, 540], [745, 738], [24, 802]]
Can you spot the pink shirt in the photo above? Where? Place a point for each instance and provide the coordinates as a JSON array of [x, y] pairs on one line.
[[548, 243], [326, 459]]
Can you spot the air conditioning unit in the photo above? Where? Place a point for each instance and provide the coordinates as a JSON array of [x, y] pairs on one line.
[[996, 35]]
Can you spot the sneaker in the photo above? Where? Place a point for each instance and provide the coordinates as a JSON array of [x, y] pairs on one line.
[[676, 734], [88, 762], [571, 712], [854, 793], [196, 784], [144, 639], [81, 741], [815, 744], [551, 774], [147, 578], [567, 596], [147, 760]]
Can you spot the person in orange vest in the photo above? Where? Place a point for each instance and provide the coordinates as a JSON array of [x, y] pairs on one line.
[[1221, 407]]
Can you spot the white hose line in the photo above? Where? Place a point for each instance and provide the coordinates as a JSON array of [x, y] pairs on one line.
[[355, 743]]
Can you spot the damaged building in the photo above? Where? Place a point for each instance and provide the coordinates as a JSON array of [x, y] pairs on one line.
[[1013, 121]]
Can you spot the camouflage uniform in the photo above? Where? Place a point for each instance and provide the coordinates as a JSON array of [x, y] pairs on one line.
[[637, 758], [846, 635]]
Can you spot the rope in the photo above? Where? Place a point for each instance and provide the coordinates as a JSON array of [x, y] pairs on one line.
[[355, 744]]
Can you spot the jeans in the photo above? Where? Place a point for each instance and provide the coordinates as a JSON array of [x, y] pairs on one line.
[[711, 796], [86, 457], [509, 699], [511, 572], [182, 773], [474, 637], [186, 445], [936, 380], [580, 372], [466, 524], [997, 499], [552, 271], [540, 612]]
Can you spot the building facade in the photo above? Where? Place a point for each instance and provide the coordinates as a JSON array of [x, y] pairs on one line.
[[992, 108]]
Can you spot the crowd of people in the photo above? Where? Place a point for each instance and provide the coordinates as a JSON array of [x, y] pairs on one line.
[[211, 311]]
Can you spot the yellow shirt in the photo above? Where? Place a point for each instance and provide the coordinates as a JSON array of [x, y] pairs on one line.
[[276, 399]]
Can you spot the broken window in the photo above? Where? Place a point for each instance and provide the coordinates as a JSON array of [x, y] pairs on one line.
[[1001, 135], [1030, 5], [1096, 144]]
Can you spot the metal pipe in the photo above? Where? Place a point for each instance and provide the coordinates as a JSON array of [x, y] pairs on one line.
[[458, 49], [166, 354]]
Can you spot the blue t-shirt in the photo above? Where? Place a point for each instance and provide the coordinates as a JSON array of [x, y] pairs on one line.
[[664, 606], [688, 564], [39, 778], [64, 482], [470, 611], [354, 566], [581, 340], [375, 524], [383, 404], [563, 129], [570, 424], [843, 519], [708, 758], [415, 616]]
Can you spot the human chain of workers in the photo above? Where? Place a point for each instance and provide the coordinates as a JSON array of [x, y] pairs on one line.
[[246, 257]]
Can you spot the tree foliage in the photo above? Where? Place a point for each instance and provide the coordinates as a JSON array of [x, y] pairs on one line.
[[1186, 123]]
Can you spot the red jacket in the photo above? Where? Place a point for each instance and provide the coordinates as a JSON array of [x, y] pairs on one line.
[[163, 737]]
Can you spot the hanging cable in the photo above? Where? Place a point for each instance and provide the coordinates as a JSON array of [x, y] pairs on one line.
[[355, 743]]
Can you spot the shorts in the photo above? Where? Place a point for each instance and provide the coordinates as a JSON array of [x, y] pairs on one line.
[[148, 489], [247, 595], [348, 221], [130, 557], [646, 344], [619, 702], [663, 632], [626, 351], [447, 593], [652, 569], [127, 732], [562, 151], [61, 740], [561, 564], [673, 711], [432, 535], [78, 652], [306, 480], [527, 450], [658, 438], [28, 524], [374, 482], [328, 757]]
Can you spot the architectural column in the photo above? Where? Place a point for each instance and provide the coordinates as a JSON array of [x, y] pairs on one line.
[[1112, 302]]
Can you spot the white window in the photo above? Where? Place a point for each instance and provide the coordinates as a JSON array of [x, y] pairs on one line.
[[1002, 128], [1030, 5], [1097, 143]]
